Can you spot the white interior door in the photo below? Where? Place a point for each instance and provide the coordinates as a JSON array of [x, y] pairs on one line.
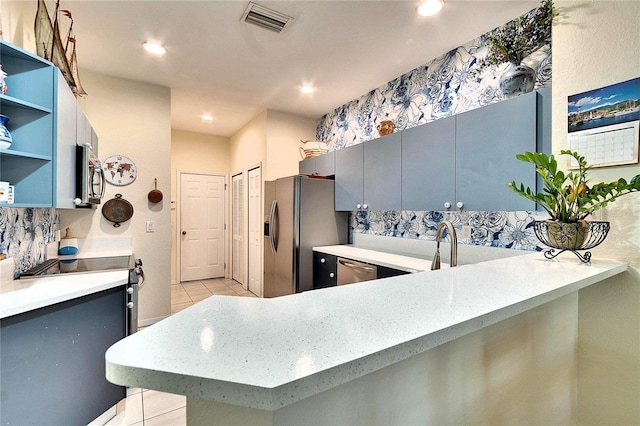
[[255, 231], [201, 226], [237, 228]]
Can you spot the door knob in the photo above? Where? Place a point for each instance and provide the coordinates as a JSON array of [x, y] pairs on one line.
[[184, 232]]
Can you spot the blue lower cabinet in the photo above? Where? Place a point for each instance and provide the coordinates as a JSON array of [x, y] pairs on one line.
[[52, 361]]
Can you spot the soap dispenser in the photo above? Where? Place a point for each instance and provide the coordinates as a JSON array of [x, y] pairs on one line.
[[68, 244]]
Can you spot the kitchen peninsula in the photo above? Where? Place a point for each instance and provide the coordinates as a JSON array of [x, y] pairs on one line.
[[493, 342]]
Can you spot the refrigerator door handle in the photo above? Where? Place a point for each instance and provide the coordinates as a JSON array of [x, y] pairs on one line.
[[273, 226]]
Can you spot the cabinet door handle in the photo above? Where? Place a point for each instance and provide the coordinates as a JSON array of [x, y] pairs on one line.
[[460, 204], [447, 205], [358, 206], [331, 275], [364, 206], [322, 260]]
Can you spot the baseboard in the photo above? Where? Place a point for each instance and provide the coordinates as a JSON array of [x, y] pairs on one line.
[[104, 417], [150, 321]]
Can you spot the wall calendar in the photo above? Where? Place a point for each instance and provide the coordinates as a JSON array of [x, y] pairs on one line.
[[604, 124]]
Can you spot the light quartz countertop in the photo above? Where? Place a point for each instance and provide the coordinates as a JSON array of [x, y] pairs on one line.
[[269, 353], [30, 293], [24, 295], [403, 263]]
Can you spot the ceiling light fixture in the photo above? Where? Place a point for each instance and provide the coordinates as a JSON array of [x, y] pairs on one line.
[[430, 7], [307, 89], [207, 117], [155, 48]]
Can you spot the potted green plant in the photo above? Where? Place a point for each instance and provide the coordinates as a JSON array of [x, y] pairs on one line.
[[514, 41], [569, 199]]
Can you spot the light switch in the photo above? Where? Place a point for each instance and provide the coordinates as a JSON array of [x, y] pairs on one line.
[[151, 226]]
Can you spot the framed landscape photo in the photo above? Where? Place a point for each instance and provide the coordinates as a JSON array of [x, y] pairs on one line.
[[604, 124]]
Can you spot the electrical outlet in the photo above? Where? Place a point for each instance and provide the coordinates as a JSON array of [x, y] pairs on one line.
[[465, 233], [151, 226]]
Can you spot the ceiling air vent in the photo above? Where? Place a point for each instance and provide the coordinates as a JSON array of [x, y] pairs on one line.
[[265, 18]]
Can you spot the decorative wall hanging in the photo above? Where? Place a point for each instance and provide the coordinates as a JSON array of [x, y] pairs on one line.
[[119, 170], [604, 124], [117, 210], [155, 195]]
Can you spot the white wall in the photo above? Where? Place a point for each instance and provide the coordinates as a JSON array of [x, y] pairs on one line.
[[249, 144], [200, 153], [133, 119], [284, 132], [595, 44]]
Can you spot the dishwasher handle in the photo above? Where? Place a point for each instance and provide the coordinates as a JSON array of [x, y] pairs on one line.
[[357, 267], [351, 271]]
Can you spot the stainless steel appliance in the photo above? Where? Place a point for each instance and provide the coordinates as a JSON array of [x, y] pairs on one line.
[[299, 214], [351, 271], [97, 264], [90, 183]]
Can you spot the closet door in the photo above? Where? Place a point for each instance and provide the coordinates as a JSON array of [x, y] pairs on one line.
[[237, 228]]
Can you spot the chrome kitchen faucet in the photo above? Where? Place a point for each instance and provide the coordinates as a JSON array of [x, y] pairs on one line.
[[453, 258]]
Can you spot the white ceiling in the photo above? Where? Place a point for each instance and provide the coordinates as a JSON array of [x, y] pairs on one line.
[[234, 70]]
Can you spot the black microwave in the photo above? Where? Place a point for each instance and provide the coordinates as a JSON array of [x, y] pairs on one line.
[[90, 183]]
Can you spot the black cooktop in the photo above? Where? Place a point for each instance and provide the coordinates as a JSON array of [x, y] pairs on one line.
[[93, 264]]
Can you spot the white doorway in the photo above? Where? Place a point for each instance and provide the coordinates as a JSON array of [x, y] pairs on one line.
[[255, 231], [237, 228], [201, 226]]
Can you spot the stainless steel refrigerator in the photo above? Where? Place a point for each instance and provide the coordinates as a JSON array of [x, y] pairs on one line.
[[299, 215]]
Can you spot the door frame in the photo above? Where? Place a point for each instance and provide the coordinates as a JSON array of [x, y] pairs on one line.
[[261, 216], [225, 196]]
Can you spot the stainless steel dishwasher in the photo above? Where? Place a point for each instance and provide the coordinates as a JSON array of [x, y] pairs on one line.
[[351, 271]]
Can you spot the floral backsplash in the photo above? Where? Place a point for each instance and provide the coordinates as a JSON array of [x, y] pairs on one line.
[[494, 229], [443, 87], [25, 233]]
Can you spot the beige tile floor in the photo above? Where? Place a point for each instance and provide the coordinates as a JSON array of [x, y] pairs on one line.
[[153, 408]]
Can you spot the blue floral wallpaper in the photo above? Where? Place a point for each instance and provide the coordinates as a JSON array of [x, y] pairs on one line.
[[25, 233], [448, 85]]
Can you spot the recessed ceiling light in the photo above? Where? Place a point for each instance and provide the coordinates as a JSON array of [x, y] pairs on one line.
[[207, 117], [155, 48], [307, 89], [430, 7]]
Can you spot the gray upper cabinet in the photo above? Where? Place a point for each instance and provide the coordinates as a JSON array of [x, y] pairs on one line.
[[486, 142], [368, 175], [463, 162], [428, 165], [383, 173], [322, 165], [65, 153], [349, 177]]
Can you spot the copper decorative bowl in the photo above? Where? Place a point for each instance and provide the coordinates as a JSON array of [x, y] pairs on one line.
[[570, 237]]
